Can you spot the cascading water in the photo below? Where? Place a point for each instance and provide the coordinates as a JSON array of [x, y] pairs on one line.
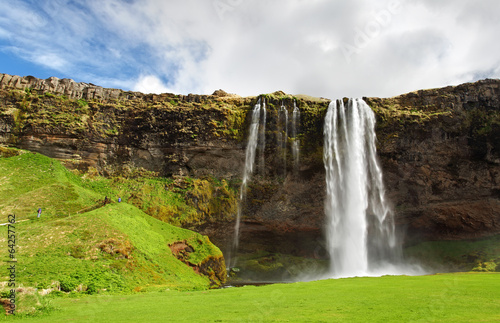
[[250, 153], [296, 142], [360, 231], [262, 137], [283, 133]]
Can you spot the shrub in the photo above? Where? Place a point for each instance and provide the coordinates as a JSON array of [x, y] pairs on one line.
[[68, 284]]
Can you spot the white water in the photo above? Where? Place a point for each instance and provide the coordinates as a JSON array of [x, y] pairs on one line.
[[361, 239], [283, 133], [248, 170], [296, 142], [262, 137]]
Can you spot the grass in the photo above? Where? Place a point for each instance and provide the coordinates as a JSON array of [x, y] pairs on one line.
[[111, 248], [31, 180], [117, 248], [441, 298]]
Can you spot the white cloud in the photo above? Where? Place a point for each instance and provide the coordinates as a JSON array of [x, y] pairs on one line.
[[50, 60], [150, 84], [244, 47]]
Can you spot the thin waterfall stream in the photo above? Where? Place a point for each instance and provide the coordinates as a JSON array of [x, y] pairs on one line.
[[253, 141], [283, 133], [296, 142]]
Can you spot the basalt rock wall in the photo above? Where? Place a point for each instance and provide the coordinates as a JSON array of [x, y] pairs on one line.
[[439, 149]]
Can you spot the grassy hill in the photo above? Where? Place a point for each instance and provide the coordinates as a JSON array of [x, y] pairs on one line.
[[81, 245]]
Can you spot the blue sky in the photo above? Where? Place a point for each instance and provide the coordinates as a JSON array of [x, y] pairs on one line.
[[317, 47]]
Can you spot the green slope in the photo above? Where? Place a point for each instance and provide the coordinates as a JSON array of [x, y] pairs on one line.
[[30, 180], [81, 245]]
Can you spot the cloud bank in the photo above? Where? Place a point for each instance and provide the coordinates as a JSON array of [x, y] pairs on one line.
[[317, 47]]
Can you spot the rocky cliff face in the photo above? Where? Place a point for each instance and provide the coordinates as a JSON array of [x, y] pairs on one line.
[[67, 87], [440, 151], [441, 154]]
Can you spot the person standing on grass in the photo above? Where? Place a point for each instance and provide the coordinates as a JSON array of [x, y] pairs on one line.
[[39, 212]]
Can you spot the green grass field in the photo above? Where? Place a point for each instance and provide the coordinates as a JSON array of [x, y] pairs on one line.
[[435, 298]]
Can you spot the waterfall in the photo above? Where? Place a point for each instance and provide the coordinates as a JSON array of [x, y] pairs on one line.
[[360, 231], [250, 153], [296, 142], [283, 133], [262, 137]]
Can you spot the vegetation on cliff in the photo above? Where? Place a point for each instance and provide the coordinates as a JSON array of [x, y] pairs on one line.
[[181, 201], [38, 112], [470, 110]]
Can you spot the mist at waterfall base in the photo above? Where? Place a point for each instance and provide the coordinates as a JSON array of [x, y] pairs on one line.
[[360, 234]]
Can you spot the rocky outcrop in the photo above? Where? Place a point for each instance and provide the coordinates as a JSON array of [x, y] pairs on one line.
[[439, 149], [68, 87]]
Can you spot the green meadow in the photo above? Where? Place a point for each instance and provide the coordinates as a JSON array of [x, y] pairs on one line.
[[435, 298]]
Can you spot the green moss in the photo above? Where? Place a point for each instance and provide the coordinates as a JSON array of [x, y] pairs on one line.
[[9, 152], [82, 102], [488, 266], [214, 201], [481, 122]]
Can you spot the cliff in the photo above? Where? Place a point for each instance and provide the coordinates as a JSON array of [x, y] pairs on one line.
[[439, 150], [441, 154]]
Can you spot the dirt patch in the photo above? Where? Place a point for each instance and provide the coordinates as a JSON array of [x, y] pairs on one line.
[[122, 249], [5, 303], [181, 250], [212, 267]]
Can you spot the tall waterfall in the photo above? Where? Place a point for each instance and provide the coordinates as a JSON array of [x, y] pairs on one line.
[[296, 142], [250, 153], [360, 231]]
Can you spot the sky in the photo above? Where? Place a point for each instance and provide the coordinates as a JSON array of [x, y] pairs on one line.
[[322, 48]]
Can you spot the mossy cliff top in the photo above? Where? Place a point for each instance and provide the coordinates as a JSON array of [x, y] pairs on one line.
[[54, 106]]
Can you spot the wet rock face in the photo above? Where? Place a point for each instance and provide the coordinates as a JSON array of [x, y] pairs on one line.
[[439, 149]]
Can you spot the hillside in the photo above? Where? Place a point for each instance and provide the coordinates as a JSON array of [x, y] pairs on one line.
[[80, 244]]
